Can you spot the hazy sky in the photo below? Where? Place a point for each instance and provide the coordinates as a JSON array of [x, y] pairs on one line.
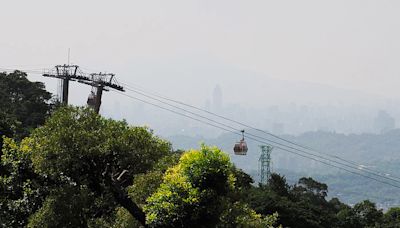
[[352, 44]]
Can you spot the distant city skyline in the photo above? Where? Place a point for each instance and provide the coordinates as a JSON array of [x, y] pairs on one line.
[[286, 118]]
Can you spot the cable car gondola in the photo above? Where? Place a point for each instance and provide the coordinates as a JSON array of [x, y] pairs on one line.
[[240, 147], [91, 101]]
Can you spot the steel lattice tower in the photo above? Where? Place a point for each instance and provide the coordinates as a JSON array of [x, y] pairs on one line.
[[265, 163]]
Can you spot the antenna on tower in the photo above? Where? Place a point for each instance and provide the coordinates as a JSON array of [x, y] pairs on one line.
[[69, 52]]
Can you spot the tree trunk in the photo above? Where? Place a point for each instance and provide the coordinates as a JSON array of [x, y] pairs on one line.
[[123, 199]]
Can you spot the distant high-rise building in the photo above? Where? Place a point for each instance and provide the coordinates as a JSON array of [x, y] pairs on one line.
[[217, 98]]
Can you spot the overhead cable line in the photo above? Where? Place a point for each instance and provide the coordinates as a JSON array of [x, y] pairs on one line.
[[260, 141], [359, 166], [269, 140], [262, 138]]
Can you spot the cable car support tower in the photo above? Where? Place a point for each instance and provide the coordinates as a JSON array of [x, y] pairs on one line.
[[99, 81], [65, 73]]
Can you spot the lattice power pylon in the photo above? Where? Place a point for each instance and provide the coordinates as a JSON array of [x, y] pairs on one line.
[[265, 163]]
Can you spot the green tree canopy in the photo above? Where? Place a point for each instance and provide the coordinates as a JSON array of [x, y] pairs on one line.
[[392, 217], [196, 192], [24, 104], [368, 214], [88, 159], [21, 190]]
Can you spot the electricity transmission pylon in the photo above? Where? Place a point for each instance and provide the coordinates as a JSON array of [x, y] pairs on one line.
[[265, 163]]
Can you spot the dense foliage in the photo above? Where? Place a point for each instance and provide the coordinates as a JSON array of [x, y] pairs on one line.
[[81, 161], [305, 205], [24, 105], [197, 192]]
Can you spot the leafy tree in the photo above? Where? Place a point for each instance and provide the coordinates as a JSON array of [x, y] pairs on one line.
[[300, 205], [277, 184], [64, 207], [243, 180], [336, 205], [368, 214], [6, 130], [91, 160], [6, 125], [195, 192], [392, 218], [21, 190], [24, 104], [348, 218], [146, 184], [189, 194], [308, 185], [241, 215]]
